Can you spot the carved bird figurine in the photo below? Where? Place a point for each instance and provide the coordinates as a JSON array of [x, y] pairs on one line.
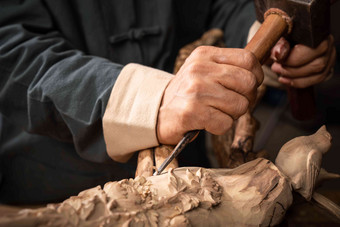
[[300, 160]]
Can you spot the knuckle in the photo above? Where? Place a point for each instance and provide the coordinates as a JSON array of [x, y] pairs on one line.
[[194, 68], [320, 64], [220, 127], [242, 106], [250, 82], [195, 88], [205, 118], [201, 51], [324, 47], [225, 126], [194, 114], [218, 131], [250, 60], [187, 114]]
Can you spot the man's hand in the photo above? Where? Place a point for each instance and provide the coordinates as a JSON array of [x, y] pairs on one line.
[[303, 66], [213, 87]]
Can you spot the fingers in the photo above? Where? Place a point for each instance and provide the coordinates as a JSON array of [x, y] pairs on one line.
[[213, 87], [205, 117], [306, 66], [235, 69], [315, 66], [211, 94], [239, 80], [302, 82], [220, 122], [237, 57], [175, 119], [301, 54], [280, 51], [222, 87]]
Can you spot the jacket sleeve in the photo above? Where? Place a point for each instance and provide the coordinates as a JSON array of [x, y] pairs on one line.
[[46, 86], [234, 17]]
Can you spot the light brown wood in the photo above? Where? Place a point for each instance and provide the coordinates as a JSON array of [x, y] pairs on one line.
[[161, 153], [300, 159], [221, 146], [245, 131], [331, 207], [253, 194], [246, 127], [257, 193], [145, 163]]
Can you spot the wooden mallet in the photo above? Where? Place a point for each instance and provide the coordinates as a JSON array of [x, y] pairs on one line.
[[300, 21]]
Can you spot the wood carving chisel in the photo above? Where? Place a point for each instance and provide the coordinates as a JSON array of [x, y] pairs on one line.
[[188, 137]]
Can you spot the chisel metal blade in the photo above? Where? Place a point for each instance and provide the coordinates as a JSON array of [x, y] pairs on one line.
[[179, 147]]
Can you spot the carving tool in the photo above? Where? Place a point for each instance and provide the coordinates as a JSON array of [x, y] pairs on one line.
[[188, 137]]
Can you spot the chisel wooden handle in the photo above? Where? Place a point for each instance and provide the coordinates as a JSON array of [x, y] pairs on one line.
[[271, 30]]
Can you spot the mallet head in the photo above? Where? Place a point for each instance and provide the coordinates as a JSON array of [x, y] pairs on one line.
[[311, 18]]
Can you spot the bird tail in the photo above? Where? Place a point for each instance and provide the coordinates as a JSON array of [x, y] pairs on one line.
[[330, 206], [324, 176]]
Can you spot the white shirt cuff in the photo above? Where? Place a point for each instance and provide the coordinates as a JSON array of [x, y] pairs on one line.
[[130, 118]]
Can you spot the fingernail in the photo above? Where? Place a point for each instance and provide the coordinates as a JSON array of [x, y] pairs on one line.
[[279, 51], [282, 52], [276, 52]]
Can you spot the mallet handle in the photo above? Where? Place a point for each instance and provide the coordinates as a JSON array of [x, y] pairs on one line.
[[275, 26], [302, 102]]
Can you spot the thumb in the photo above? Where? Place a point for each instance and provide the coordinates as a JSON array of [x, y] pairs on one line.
[[280, 51]]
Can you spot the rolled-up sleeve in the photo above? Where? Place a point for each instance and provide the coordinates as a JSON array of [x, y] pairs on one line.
[[130, 117]]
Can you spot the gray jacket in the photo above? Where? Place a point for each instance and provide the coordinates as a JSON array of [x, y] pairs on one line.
[[58, 63]]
